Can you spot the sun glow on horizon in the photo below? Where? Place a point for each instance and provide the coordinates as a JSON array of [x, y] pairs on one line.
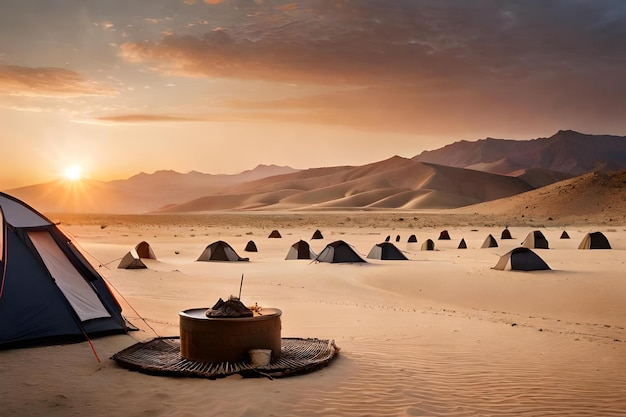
[[73, 173]]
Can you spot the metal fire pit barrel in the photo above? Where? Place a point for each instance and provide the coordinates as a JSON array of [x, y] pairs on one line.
[[217, 339]]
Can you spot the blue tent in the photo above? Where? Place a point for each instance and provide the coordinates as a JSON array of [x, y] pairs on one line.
[[49, 293]]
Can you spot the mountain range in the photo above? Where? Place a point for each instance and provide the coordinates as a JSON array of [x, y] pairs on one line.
[[460, 174]]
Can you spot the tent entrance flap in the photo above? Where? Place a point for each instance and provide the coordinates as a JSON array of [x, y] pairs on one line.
[[76, 289]]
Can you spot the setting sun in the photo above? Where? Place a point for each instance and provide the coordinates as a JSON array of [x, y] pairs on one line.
[[73, 173]]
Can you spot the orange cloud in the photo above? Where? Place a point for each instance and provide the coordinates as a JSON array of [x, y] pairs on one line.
[[48, 82], [150, 118]]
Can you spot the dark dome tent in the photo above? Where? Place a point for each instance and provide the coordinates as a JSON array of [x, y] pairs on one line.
[[595, 240], [535, 240], [339, 252], [251, 247], [275, 234], [506, 234], [490, 242], [428, 245], [564, 235], [444, 235], [144, 250], [462, 244], [49, 292], [412, 239], [220, 251], [388, 238], [397, 238], [317, 235], [300, 250], [386, 251], [521, 259]]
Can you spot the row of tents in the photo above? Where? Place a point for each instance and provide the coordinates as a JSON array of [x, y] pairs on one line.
[[222, 251], [535, 239], [521, 258]]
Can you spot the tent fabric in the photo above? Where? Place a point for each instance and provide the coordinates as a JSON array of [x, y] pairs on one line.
[[444, 235], [317, 235], [595, 240], [220, 251], [131, 261], [49, 293], [428, 245], [388, 238], [412, 239], [506, 234], [397, 238], [536, 240], [386, 251], [564, 235], [490, 242], [251, 247], [521, 259], [339, 252], [275, 235], [144, 250], [462, 244], [300, 250]]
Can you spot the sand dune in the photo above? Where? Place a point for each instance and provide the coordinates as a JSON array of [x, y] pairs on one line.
[[393, 183], [591, 198]]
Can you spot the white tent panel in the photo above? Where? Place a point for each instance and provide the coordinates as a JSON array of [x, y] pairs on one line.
[[78, 292], [16, 215]]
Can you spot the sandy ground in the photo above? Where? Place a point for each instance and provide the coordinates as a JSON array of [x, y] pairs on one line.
[[442, 334]]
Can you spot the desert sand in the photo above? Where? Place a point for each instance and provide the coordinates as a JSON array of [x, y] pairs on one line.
[[442, 334]]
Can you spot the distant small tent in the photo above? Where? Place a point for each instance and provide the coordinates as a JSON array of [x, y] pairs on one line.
[[275, 234], [521, 259], [251, 247], [133, 259], [144, 250], [386, 251], [388, 238], [595, 240], [462, 244], [412, 239], [397, 238], [444, 235], [506, 234], [564, 235], [535, 240], [338, 252], [317, 235], [428, 245], [490, 242], [220, 251], [300, 250]]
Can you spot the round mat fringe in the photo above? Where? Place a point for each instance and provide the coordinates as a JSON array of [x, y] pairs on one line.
[[161, 356]]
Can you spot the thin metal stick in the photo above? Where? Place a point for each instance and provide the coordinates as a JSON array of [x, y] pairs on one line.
[[240, 285]]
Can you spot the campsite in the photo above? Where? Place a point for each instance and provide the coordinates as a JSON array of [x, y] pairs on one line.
[[441, 333]]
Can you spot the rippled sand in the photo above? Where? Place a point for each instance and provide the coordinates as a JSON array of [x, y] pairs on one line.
[[439, 335]]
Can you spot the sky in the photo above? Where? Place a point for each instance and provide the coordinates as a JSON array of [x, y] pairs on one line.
[[119, 87]]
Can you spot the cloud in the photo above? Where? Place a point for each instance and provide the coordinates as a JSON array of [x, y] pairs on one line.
[[371, 43], [408, 65], [145, 118], [48, 82]]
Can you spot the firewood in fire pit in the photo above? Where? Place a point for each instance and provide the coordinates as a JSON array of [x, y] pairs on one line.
[[233, 308]]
